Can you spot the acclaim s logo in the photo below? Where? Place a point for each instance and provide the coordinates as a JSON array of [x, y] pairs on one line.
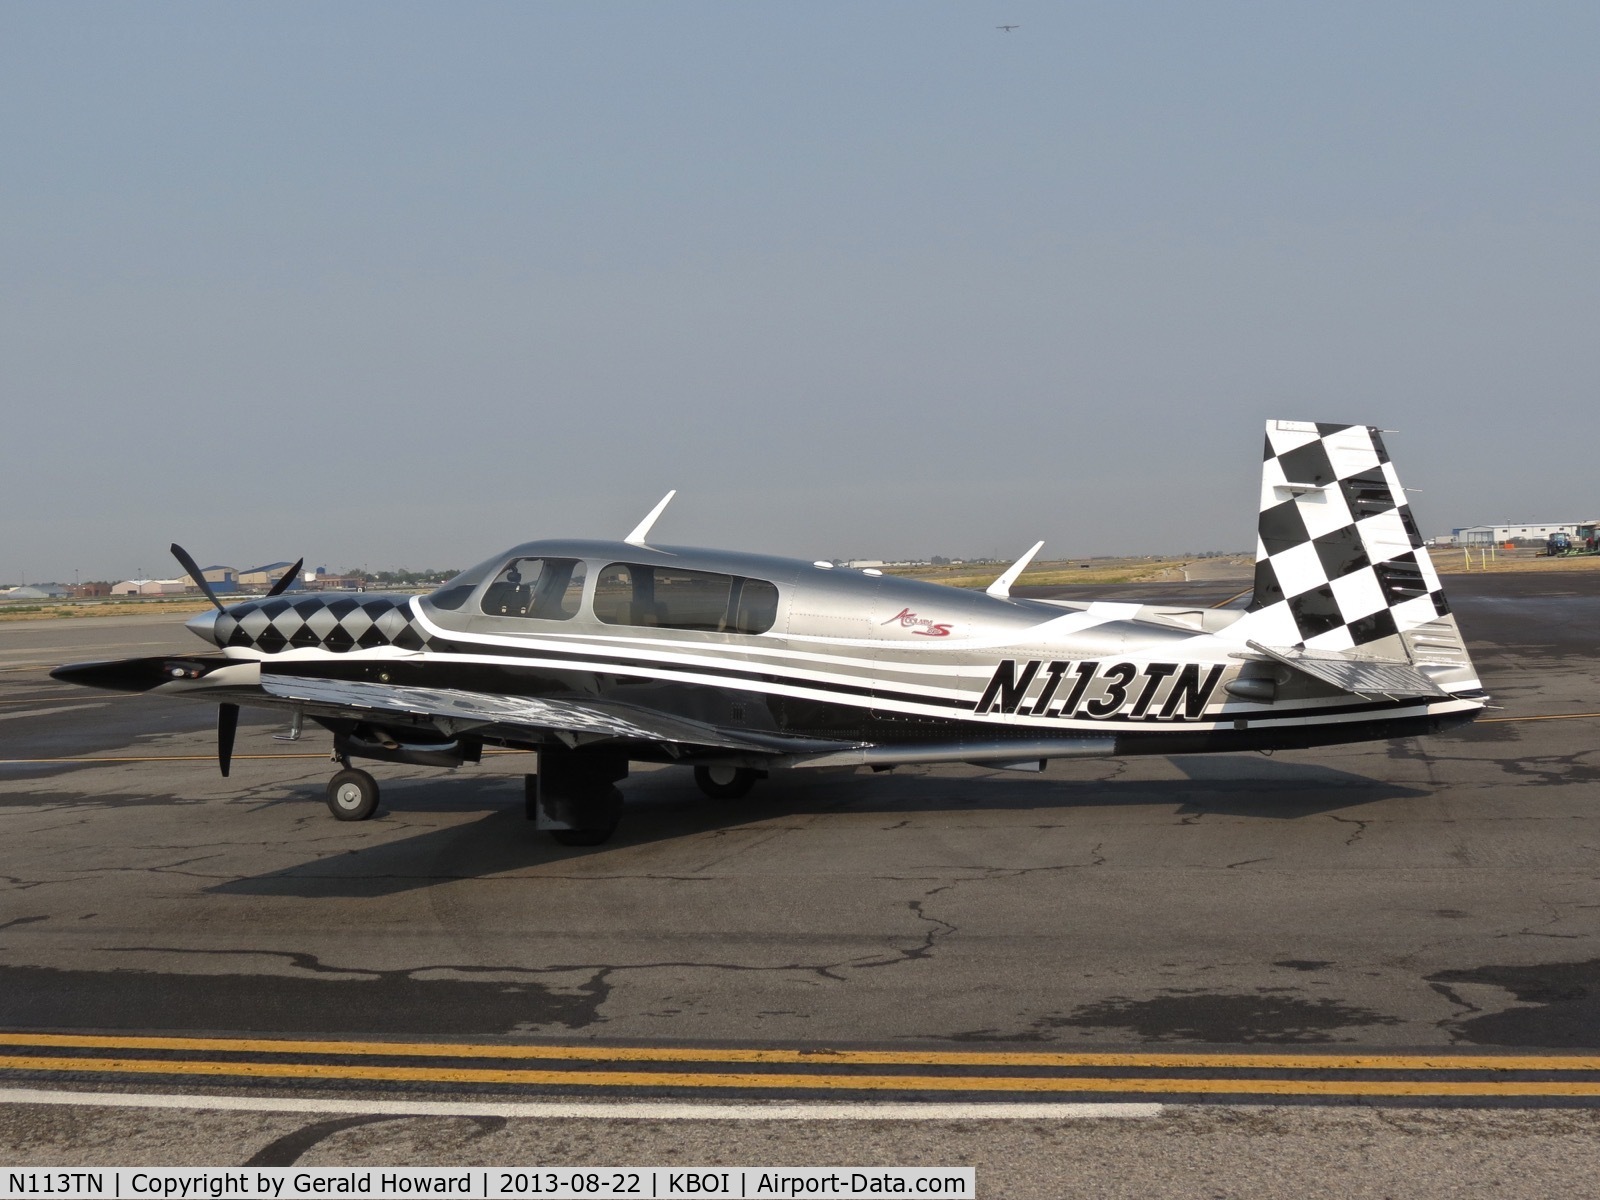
[[909, 620]]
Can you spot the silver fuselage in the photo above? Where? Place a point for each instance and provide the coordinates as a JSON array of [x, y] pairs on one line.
[[875, 659]]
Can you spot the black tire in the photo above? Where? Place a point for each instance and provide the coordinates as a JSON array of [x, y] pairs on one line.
[[725, 783], [352, 795], [582, 837]]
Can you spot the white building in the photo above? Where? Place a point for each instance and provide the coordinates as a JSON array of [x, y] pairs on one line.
[[151, 587], [1498, 535]]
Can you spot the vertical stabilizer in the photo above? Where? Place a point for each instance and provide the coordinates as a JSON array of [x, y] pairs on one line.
[[1340, 565]]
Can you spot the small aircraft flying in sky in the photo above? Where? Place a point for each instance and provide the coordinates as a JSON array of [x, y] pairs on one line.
[[1008, 28], [596, 654]]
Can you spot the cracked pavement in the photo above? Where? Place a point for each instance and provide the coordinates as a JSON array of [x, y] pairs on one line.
[[1409, 894]]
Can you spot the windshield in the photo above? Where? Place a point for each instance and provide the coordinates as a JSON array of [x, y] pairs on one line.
[[453, 593]]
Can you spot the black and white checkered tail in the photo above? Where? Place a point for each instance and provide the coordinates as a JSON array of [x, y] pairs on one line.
[[1340, 565]]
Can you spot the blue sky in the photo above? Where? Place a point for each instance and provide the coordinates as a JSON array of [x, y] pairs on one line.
[[401, 284]]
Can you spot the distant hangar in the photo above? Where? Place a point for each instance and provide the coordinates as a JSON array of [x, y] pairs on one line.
[[1499, 535]]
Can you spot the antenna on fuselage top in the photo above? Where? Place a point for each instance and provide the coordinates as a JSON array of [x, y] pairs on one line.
[[642, 529], [1002, 587]]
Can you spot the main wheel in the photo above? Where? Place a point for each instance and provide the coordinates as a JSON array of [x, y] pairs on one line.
[[603, 813], [352, 795], [725, 783], [582, 837]]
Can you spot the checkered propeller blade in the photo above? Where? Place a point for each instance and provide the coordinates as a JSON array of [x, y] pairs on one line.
[[196, 574], [289, 577]]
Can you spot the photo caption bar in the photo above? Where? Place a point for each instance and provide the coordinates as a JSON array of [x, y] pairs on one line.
[[488, 1183]]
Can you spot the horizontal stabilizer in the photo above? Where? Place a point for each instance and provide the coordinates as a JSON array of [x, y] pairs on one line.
[[1373, 679]]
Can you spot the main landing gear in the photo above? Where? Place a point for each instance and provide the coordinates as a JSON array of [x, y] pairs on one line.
[[726, 783], [352, 795], [574, 796]]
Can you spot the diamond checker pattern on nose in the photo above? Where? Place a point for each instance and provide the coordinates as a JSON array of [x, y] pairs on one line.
[[339, 625]]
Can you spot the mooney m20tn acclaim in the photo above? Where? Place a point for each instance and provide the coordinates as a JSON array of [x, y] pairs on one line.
[[597, 654]]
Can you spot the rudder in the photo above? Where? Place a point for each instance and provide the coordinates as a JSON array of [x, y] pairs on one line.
[[1340, 564]]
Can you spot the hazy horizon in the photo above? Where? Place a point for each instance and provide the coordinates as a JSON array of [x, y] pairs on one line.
[[396, 284]]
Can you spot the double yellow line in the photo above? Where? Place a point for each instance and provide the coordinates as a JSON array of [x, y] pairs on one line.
[[662, 1067]]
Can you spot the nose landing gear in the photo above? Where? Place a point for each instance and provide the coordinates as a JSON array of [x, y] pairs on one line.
[[352, 795]]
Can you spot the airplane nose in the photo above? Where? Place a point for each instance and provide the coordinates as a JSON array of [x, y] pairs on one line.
[[204, 625]]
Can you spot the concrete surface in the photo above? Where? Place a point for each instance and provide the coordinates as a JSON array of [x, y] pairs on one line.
[[1405, 894]]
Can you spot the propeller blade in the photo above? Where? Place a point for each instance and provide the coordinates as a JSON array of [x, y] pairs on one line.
[[288, 578], [196, 574], [227, 726]]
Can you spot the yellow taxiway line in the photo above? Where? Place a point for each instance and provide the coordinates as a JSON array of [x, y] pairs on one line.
[[825, 1057], [808, 1082]]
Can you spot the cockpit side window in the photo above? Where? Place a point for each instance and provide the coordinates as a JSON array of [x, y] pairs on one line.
[[546, 589], [674, 598]]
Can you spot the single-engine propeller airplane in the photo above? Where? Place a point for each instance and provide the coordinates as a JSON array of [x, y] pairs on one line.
[[597, 654]]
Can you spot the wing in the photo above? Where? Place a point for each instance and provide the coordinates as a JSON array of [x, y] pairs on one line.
[[451, 711], [455, 711]]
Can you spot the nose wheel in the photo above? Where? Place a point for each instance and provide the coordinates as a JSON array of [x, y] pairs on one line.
[[352, 795]]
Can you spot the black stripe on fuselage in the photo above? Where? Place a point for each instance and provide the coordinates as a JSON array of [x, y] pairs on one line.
[[624, 660], [876, 694], [811, 716]]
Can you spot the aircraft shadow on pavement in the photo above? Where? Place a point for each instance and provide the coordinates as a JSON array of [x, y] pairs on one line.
[[665, 805]]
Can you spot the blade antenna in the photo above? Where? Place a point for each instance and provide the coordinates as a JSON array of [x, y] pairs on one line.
[[642, 529], [288, 578], [1002, 587], [196, 574]]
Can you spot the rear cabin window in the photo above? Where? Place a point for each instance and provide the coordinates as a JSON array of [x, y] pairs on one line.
[[547, 589], [671, 598]]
